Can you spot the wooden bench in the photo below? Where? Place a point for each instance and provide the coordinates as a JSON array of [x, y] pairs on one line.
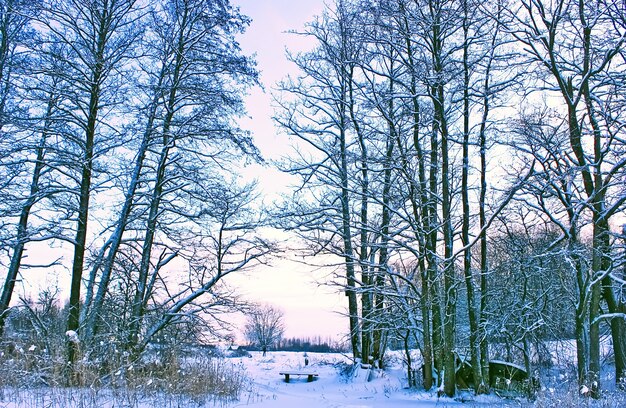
[[309, 376]]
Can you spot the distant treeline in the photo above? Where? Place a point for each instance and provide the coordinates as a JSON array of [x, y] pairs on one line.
[[310, 344]]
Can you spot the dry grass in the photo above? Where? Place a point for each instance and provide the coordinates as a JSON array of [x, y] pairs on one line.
[[31, 375]]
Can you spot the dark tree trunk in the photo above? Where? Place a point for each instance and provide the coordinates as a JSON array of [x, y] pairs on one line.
[[422, 205], [142, 294], [367, 286], [355, 331], [440, 126], [22, 227], [472, 307], [379, 300], [618, 330], [85, 193], [482, 216], [93, 305]]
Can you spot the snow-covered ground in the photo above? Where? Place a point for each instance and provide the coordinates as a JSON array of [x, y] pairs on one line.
[[336, 386], [339, 384]]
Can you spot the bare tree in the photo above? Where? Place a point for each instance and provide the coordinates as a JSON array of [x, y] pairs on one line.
[[576, 47], [191, 75], [181, 226], [201, 96], [15, 33], [96, 38], [265, 326], [531, 288], [223, 240], [486, 82], [36, 193], [188, 281]]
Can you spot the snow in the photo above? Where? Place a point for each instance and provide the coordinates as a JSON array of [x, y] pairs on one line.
[[73, 336], [338, 386]]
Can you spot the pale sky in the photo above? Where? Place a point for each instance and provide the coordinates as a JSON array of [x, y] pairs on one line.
[[267, 37], [310, 309]]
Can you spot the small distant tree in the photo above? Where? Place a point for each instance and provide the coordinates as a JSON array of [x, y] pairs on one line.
[[265, 326]]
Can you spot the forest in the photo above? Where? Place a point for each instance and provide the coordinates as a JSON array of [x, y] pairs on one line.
[[460, 167], [465, 161]]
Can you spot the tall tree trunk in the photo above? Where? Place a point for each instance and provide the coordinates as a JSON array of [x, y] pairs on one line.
[[142, 292], [353, 311], [439, 295], [93, 305], [482, 219], [472, 309], [378, 349], [364, 258], [344, 67], [422, 204], [22, 226], [105, 37], [432, 267], [618, 330], [440, 126], [602, 263], [85, 187], [83, 216], [449, 319]]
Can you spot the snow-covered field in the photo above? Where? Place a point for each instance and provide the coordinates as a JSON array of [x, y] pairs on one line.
[[339, 384], [336, 387]]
